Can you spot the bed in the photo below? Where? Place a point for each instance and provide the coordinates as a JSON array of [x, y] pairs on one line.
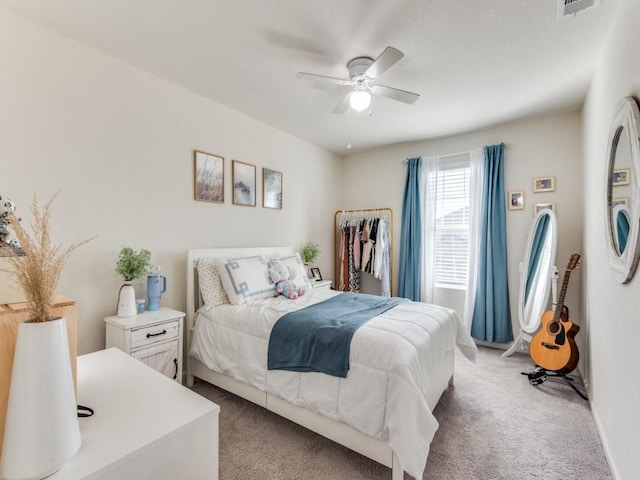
[[382, 409]]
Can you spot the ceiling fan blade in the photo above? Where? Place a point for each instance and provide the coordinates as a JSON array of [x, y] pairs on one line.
[[395, 94], [384, 62], [322, 78], [343, 105]]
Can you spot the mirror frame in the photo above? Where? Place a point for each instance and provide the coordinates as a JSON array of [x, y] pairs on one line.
[[530, 328], [624, 265]]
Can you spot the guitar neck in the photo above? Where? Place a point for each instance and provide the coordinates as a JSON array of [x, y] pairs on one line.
[[565, 283]]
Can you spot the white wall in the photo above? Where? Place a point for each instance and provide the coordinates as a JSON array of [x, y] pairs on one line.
[[541, 146], [119, 143], [610, 309]]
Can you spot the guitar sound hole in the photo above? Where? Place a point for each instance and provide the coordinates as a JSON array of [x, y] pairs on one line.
[[554, 328]]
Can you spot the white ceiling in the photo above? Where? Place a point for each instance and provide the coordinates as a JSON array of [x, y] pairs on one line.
[[475, 63]]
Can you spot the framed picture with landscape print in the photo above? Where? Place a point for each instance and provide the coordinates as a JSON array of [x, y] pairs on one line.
[[208, 177], [244, 183], [620, 177], [271, 188], [516, 200], [539, 206], [544, 184]]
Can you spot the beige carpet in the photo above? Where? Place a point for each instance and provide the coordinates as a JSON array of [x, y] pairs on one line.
[[493, 425]]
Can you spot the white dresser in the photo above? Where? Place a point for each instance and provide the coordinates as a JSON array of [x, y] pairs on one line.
[[153, 337], [145, 426]]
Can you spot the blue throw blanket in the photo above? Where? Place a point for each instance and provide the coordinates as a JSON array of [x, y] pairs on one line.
[[318, 337]]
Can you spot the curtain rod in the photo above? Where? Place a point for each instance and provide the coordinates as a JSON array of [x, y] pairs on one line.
[[457, 153]]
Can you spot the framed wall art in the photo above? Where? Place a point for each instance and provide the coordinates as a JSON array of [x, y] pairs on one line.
[[620, 177], [208, 177], [244, 183], [544, 184], [539, 206], [271, 188], [516, 200]]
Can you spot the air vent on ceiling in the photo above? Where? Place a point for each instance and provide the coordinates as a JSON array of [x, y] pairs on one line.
[[568, 8]]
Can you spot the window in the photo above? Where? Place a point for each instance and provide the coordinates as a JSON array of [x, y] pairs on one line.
[[452, 223]]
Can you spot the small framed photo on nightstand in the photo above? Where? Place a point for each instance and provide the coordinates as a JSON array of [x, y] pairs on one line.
[[315, 273]]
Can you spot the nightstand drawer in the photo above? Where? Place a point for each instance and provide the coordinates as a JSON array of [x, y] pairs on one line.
[[154, 334]]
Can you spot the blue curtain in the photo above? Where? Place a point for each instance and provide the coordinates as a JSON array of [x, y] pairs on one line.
[[538, 242], [410, 271], [622, 229], [492, 315]]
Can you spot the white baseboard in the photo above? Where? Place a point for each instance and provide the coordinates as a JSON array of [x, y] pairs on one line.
[[605, 443]]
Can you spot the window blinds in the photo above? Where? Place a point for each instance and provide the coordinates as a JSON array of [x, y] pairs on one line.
[[452, 225]]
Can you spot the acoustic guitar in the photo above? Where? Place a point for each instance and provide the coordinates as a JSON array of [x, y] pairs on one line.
[[553, 347]]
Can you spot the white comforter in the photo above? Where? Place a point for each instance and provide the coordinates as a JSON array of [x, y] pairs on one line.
[[384, 394]]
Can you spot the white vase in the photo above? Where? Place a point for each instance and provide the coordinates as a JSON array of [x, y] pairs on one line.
[[41, 431], [127, 306]]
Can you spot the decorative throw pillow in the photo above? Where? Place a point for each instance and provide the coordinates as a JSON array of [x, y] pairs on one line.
[[301, 279], [210, 285], [245, 279]]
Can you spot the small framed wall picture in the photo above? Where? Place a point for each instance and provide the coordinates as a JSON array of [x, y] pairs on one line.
[[620, 177], [544, 184], [540, 206], [315, 273], [271, 188], [516, 200], [244, 183], [208, 177], [619, 201]]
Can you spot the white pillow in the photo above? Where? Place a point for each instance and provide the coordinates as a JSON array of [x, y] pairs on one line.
[[294, 262], [210, 285], [245, 279]]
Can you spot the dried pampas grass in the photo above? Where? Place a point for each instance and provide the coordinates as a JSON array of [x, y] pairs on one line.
[[38, 271]]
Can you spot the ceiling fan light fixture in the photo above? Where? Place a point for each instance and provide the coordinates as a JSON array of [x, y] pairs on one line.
[[360, 100]]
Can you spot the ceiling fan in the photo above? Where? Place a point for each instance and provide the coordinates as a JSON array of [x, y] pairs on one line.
[[363, 74]]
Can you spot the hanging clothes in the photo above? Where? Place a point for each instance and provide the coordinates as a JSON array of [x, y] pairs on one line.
[[368, 246], [364, 238], [354, 273]]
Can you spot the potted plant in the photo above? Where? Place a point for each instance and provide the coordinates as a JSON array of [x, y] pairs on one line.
[[309, 252], [41, 387], [131, 266]]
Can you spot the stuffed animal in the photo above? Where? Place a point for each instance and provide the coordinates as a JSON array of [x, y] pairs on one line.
[[282, 275], [7, 236]]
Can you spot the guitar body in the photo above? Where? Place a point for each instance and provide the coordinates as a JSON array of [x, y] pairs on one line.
[[553, 347]]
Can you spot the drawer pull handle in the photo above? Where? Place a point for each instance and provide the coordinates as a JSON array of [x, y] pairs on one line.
[[149, 335], [175, 362]]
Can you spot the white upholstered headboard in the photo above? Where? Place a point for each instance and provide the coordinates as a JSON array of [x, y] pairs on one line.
[[194, 301]]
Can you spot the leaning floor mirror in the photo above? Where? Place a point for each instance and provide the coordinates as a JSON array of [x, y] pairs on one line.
[[537, 274], [622, 217]]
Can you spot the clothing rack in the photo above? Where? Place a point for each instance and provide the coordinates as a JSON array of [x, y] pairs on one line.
[[367, 214]]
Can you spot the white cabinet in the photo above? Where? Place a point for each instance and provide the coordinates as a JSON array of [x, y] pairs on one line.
[[153, 337]]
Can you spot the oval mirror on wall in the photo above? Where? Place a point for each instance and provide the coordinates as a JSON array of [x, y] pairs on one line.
[[536, 271], [623, 195]]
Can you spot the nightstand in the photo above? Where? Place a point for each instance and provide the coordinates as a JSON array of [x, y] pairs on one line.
[[153, 337], [322, 284]]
